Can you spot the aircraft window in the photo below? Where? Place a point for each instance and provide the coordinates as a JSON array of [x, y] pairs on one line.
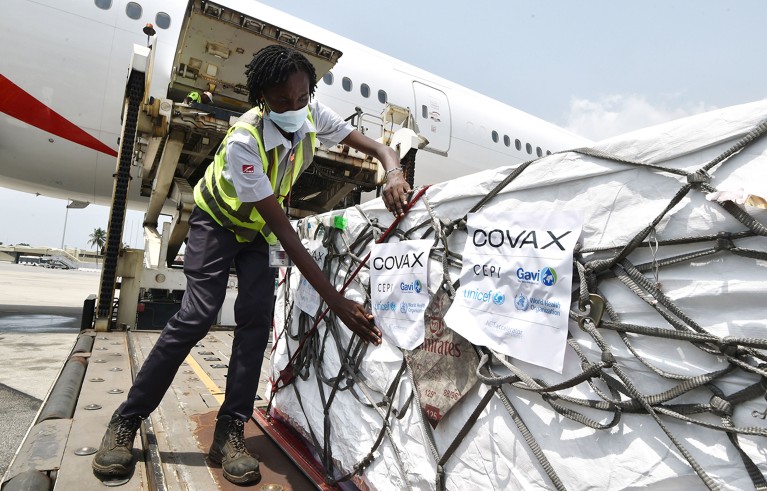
[[103, 4], [518, 144], [328, 78], [548, 152], [424, 111], [346, 83], [382, 96], [365, 90], [506, 140], [133, 10], [162, 20], [538, 151], [495, 136], [529, 148]]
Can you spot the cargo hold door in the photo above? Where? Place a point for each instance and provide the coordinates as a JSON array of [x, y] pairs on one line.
[[432, 114]]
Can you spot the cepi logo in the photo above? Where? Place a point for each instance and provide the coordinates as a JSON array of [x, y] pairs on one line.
[[521, 302], [547, 276], [415, 286]]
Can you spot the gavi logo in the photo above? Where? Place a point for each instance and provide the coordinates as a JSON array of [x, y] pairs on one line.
[[416, 286], [546, 276]]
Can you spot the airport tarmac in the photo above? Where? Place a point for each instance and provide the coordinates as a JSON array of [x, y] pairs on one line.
[[40, 313]]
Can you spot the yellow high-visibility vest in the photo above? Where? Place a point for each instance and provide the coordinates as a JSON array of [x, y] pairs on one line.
[[194, 96], [218, 198]]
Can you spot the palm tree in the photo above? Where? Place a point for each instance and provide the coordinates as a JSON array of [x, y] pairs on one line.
[[97, 239]]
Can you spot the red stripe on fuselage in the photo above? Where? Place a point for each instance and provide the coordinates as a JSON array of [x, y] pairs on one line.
[[19, 104]]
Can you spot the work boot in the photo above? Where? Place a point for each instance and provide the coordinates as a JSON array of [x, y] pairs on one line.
[[115, 456], [228, 449]]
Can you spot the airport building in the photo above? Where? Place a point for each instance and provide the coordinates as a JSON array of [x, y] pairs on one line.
[[50, 257]]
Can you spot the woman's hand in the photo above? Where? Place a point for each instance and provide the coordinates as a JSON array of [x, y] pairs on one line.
[[351, 313], [396, 192], [356, 319], [396, 189]]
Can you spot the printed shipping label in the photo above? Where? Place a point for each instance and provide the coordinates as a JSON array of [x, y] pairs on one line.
[[398, 289], [445, 366], [515, 284], [307, 298]]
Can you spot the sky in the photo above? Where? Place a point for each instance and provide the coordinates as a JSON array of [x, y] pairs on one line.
[[598, 68]]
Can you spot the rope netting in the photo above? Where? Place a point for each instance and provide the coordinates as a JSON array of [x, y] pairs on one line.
[[612, 388]]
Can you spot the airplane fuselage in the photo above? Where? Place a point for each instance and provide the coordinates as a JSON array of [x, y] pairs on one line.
[[63, 77]]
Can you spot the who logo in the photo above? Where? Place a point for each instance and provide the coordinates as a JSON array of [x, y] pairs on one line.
[[521, 302]]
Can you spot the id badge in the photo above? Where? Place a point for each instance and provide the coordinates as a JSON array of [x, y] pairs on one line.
[[278, 258]]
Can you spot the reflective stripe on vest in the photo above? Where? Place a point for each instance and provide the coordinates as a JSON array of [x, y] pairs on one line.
[[217, 196]]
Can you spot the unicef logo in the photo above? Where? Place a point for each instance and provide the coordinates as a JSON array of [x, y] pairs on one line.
[[548, 276], [521, 302], [417, 286], [392, 306], [499, 298]]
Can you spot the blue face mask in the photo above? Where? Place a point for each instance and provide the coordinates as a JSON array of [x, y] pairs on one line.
[[289, 121]]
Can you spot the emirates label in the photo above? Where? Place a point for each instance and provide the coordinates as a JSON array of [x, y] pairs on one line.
[[444, 366]]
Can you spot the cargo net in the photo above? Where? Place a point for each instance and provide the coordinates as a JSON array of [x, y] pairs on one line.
[[608, 384]]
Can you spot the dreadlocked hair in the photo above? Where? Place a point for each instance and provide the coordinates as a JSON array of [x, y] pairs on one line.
[[273, 65]]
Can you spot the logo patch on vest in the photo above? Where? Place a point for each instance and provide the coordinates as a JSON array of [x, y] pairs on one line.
[[248, 169]]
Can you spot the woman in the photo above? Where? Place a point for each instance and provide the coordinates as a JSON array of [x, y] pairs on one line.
[[238, 215]]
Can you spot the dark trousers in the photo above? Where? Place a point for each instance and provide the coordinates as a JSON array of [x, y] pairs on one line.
[[210, 251]]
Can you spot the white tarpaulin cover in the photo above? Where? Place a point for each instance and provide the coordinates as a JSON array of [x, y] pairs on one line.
[[675, 358]]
